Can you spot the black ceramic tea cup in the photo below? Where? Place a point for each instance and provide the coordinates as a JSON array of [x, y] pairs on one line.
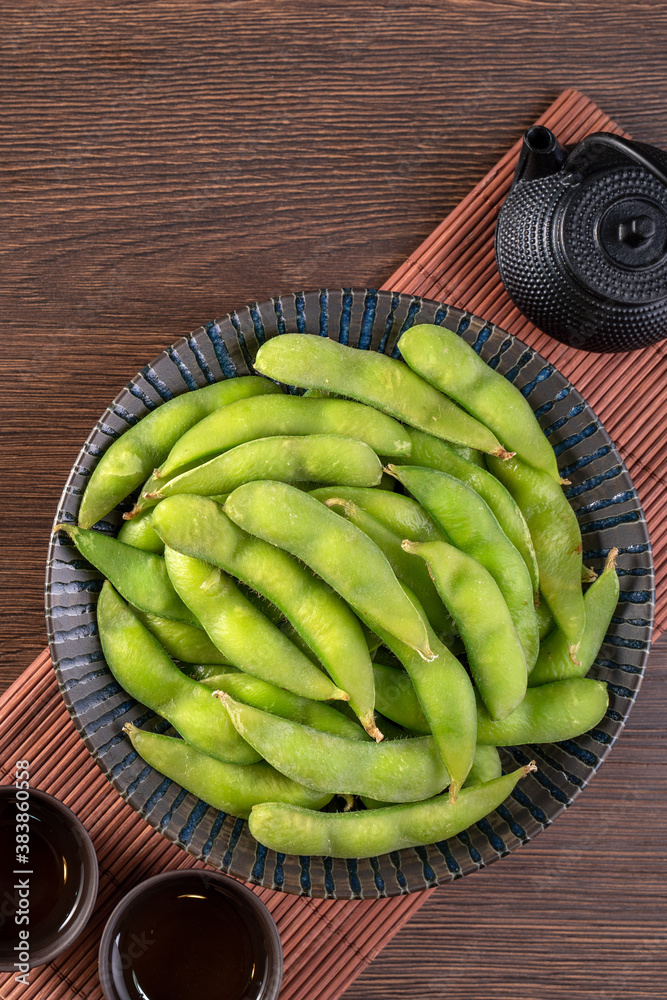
[[190, 933], [48, 879]]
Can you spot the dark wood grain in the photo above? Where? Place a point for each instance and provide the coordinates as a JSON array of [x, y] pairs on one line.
[[165, 162], [579, 913]]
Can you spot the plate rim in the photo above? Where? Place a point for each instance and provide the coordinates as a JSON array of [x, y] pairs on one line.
[[233, 317]]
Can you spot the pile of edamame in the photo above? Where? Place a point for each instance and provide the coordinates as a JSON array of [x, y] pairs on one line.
[[345, 601]]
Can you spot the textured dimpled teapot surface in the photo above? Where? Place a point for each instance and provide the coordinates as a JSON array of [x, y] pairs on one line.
[[582, 248], [601, 494]]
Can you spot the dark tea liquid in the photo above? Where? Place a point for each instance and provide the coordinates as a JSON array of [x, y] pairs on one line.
[[47, 885], [193, 941]]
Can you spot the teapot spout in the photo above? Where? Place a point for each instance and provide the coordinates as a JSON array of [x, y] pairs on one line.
[[541, 155]]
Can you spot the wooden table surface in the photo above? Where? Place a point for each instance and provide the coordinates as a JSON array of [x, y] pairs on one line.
[[165, 162]]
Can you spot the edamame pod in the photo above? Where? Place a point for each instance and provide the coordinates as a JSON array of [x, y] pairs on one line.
[[432, 453], [254, 691], [244, 636], [486, 766], [144, 670], [401, 514], [389, 385], [232, 788], [545, 620], [561, 710], [395, 697], [140, 533], [141, 577], [470, 525], [475, 603], [249, 419], [447, 699], [132, 457], [445, 360], [371, 832], [335, 549], [555, 532], [411, 572], [200, 528], [326, 458], [181, 640], [554, 662], [395, 770]]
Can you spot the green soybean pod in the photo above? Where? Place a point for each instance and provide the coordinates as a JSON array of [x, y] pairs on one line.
[[447, 699], [552, 712], [387, 384], [486, 766], [141, 577], [200, 528], [477, 606], [181, 640], [140, 533], [467, 454], [395, 770], [444, 359], [254, 691], [328, 458], [555, 532], [401, 514], [335, 549], [431, 453], [266, 416], [471, 526], [132, 457], [554, 662], [232, 788], [371, 832], [146, 672], [409, 571], [245, 637], [395, 697], [545, 620]]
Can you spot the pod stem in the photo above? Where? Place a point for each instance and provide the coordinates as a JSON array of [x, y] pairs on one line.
[[610, 562], [502, 453], [130, 728], [368, 722], [572, 649], [153, 495], [454, 789], [69, 528], [337, 502]]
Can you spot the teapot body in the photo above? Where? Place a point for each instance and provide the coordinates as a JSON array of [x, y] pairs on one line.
[[581, 241]]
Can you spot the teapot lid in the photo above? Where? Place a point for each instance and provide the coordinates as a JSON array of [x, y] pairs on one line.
[[612, 223]]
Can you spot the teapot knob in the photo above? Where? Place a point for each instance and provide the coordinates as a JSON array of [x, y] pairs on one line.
[[582, 248]]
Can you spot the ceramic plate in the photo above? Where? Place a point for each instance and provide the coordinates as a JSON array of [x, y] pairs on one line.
[[601, 493]]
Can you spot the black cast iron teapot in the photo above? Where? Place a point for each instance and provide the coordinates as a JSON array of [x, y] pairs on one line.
[[581, 240]]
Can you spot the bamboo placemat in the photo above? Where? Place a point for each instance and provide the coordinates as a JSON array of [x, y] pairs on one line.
[[328, 943], [628, 391]]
